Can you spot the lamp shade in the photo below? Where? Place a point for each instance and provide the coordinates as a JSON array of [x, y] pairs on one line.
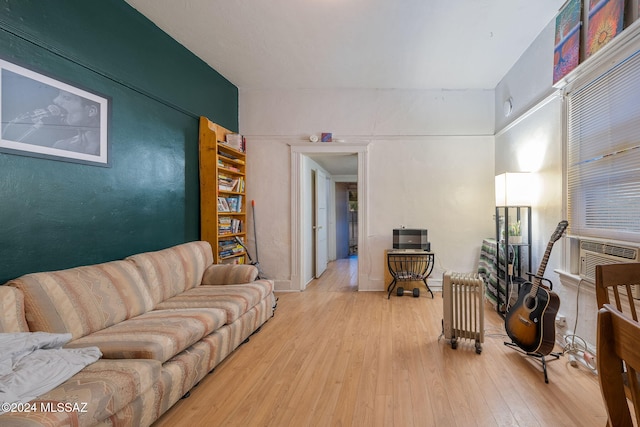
[[513, 189]]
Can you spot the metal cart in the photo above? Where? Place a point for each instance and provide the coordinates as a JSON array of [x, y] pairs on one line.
[[409, 266]]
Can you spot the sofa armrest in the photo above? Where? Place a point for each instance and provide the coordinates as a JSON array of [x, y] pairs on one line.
[[12, 318], [229, 274]]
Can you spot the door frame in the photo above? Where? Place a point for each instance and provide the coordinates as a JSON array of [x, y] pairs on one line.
[[320, 196], [298, 152]]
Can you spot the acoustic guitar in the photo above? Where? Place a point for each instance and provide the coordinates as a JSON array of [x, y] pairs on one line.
[[530, 323]]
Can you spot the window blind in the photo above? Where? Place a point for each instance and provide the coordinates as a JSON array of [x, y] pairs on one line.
[[603, 154]]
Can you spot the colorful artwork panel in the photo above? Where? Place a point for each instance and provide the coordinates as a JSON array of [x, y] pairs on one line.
[[606, 20], [566, 55]]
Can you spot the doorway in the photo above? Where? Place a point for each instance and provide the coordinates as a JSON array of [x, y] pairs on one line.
[[301, 247], [346, 209], [352, 210]]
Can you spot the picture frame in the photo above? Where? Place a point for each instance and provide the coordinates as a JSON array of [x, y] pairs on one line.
[[604, 22], [566, 54], [48, 118]]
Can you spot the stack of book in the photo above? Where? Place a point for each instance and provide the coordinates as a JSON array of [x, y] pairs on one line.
[[228, 225], [224, 225], [228, 166], [236, 141], [230, 156], [229, 247], [227, 183], [234, 260]]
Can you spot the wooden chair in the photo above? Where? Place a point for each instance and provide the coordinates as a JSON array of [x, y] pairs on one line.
[[613, 285], [616, 280], [618, 337]]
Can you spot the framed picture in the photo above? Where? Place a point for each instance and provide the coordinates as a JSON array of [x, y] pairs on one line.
[[566, 54], [44, 117], [606, 20]]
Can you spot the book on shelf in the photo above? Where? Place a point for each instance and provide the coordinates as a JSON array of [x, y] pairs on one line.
[[223, 205], [230, 204], [228, 245], [227, 183], [235, 141], [228, 225], [230, 156], [236, 260], [231, 247], [239, 185], [230, 241], [231, 252], [235, 203], [228, 166], [224, 225]]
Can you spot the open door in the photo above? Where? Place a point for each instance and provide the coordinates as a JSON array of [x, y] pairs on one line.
[[302, 235], [320, 223]]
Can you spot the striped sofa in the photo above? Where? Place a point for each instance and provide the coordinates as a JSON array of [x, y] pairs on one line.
[[162, 321]]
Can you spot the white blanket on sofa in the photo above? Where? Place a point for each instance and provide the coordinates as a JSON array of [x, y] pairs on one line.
[[33, 363]]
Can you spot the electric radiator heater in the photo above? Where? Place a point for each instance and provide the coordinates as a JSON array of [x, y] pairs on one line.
[[463, 310]]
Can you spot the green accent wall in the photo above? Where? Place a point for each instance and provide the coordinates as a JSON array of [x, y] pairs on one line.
[[56, 214]]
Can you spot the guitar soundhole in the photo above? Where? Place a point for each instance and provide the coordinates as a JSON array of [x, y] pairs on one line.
[[530, 303]]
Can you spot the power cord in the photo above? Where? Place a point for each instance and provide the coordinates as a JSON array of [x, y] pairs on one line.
[[578, 351]]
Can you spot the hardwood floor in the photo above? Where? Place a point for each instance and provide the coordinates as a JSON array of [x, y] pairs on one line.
[[332, 356]]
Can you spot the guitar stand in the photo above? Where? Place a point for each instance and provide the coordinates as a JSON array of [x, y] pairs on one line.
[[538, 356], [529, 301]]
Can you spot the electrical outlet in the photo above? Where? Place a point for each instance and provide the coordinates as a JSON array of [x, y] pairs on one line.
[[561, 321]]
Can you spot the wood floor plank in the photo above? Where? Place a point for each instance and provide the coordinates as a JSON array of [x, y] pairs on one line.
[[332, 356]]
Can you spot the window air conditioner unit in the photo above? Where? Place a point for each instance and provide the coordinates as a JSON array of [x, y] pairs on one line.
[[594, 253]]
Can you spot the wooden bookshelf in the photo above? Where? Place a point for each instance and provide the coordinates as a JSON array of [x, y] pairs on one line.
[[223, 212]]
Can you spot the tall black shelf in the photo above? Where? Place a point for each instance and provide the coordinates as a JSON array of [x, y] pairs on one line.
[[512, 252]]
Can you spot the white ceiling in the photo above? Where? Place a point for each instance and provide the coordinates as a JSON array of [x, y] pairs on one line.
[[398, 44], [355, 44], [338, 164]]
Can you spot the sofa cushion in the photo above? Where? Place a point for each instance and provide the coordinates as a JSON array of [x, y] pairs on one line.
[[92, 395], [141, 412], [159, 334], [235, 300], [253, 292], [12, 310], [83, 300], [173, 270], [229, 274]]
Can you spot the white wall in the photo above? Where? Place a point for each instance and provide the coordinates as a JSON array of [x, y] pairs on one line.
[[534, 144], [531, 139], [431, 164], [529, 80]]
